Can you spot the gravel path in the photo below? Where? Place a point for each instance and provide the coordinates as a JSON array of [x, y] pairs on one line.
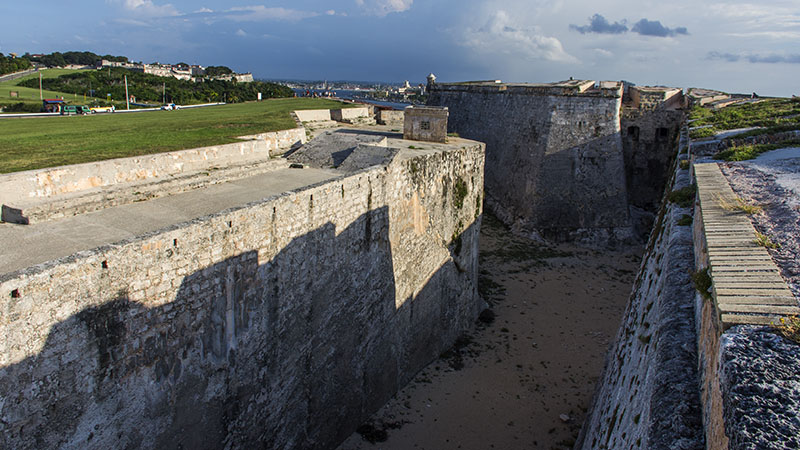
[[773, 182]]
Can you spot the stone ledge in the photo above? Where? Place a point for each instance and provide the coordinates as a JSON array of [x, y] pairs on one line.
[[746, 284]]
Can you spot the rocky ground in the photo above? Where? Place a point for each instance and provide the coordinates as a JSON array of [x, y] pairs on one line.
[[524, 377], [772, 181]]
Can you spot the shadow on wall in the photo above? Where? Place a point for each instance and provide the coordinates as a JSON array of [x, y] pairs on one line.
[[554, 165], [291, 353]]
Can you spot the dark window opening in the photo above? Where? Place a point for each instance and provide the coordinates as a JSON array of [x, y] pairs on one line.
[[663, 133], [425, 125], [633, 132], [104, 264], [15, 293]]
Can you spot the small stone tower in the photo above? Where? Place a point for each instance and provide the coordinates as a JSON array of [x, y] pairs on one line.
[[431, 82]]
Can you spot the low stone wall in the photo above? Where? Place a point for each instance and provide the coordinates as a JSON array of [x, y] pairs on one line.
[[648, 396], [313, 115], [344, 114], [390, 117], [711, 147], [280, 324], [48, 183]]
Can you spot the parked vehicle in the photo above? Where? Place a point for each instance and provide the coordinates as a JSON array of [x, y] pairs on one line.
[[170, 107], [102, 109], [75, 109]]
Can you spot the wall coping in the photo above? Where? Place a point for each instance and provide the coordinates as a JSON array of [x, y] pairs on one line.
[[747, 287]]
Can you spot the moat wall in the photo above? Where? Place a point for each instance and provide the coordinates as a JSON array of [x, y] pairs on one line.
[[554, 155], [648, 396], [280, 324]]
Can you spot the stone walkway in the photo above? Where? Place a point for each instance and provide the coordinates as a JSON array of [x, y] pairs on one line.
[[22, 246], [747, 286]]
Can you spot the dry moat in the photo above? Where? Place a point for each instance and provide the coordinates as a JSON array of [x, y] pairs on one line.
[[524, 378]]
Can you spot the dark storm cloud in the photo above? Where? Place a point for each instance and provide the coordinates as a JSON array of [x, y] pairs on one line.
[[654, 28], [599, 24]]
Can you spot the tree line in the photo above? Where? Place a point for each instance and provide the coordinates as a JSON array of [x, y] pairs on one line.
[[149, 88], [58, 59], [11, 65]]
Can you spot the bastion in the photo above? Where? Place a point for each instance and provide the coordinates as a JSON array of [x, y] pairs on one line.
[[557, 165], [276, 311]]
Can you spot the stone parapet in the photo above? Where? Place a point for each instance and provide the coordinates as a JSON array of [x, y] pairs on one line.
[[29, 189], [744, 368]]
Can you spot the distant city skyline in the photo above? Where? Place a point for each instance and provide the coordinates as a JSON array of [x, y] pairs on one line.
[[731, 45]]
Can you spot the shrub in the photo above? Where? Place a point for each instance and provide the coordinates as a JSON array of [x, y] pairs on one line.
[[683, 197], [764, 241], [738, 204], [685, 220], [702, 282], [789, 327]]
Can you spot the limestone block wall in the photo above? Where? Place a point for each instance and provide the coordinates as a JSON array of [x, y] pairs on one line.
[[313, 115], [554, 157], [280, 324], [648, 396], [649, 143], [340, 115], [50, 182], [390, 117]]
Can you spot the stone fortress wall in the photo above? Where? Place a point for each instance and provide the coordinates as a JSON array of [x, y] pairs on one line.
[[278, 324], [648, 395], [556, 163]]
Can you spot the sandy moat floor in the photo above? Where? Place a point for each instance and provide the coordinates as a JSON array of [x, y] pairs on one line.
[[525, 380]]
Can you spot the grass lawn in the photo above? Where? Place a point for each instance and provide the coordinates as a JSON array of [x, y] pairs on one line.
[[31, 95], [775, 115], [34, 143]]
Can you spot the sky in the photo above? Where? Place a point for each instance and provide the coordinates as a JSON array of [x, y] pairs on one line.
[[730, 45]]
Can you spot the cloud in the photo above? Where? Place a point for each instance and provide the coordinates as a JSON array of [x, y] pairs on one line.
[[770, 58], [599, 24], [203, 10], [500, 35], [381, 8], [730, 57], [654, 28], [241, 32], [260, 13], [149, 9]]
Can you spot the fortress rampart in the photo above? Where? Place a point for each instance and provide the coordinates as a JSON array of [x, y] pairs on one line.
[[279, 324], [554, 159]]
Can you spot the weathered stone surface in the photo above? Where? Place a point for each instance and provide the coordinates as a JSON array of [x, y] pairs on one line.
[[554, 156], [279, 324], [332, 148], [43, 191], [425, 123], [760, 387], [364, 156], [648, 396]]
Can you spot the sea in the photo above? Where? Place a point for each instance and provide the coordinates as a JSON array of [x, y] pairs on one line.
[[349, 94]]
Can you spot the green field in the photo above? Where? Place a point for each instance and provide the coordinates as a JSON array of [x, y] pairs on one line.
[[34, 143], [30, 95], [774, 115]]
